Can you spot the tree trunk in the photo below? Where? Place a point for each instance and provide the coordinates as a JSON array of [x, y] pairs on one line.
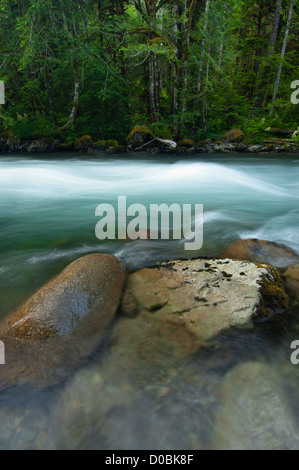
[[152, 93], [266, 70], [186, 40], [203, 47], [283, 51], [75, 100], [273, 38], [176, 78]]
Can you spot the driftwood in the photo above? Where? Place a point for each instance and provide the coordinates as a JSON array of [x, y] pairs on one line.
[[170, 143]]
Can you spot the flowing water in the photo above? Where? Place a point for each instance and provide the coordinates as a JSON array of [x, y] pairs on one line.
[[47, 219]]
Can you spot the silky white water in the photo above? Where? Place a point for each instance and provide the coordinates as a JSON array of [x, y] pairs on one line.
[[47, 219], [47, 208]]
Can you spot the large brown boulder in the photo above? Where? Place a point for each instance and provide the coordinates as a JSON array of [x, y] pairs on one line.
[[261, 251], [187, 303], [62, 324]]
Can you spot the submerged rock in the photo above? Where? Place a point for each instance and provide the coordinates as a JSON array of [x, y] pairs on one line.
[[254, 412], [187, 303], [262, 251], [62, 324]]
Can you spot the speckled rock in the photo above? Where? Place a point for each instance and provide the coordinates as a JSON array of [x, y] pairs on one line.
[[191, 302], [262, 251], [63, 322]]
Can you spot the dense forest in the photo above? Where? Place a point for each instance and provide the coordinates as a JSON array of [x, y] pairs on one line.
[[189, 68]]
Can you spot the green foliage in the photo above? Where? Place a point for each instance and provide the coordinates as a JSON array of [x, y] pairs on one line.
[[204, 70]]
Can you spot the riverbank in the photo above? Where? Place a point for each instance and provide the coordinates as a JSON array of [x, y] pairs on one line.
[[141, 139]]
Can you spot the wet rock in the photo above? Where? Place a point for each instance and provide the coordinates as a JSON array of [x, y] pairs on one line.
[[291, 277], [190, 302], [254, 148], [224, 147], [262, 251], [61, 325], [254, 412]]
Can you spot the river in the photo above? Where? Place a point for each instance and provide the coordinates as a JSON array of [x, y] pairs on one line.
[[47, 219]]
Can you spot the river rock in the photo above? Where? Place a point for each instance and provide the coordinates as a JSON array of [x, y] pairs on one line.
[[234, 135], [62, 324], [188, 303], [139, 136], [254, 412], [42, 146], [84, 144], [291, 277], [262, 251]]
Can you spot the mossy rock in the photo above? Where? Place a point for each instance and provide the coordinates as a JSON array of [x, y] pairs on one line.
[[101, 144], [187, 143], [139, 136], [84, 143], [106, 144], [203, 143], [234, 135]]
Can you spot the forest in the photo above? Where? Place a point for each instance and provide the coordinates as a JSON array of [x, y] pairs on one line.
[[185, 68]]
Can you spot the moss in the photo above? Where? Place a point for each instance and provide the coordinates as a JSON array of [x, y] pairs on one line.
[[102, 144], [186, 143], [83, 143], [202, 143], [234, 135], [142, 130], [274, 300]]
